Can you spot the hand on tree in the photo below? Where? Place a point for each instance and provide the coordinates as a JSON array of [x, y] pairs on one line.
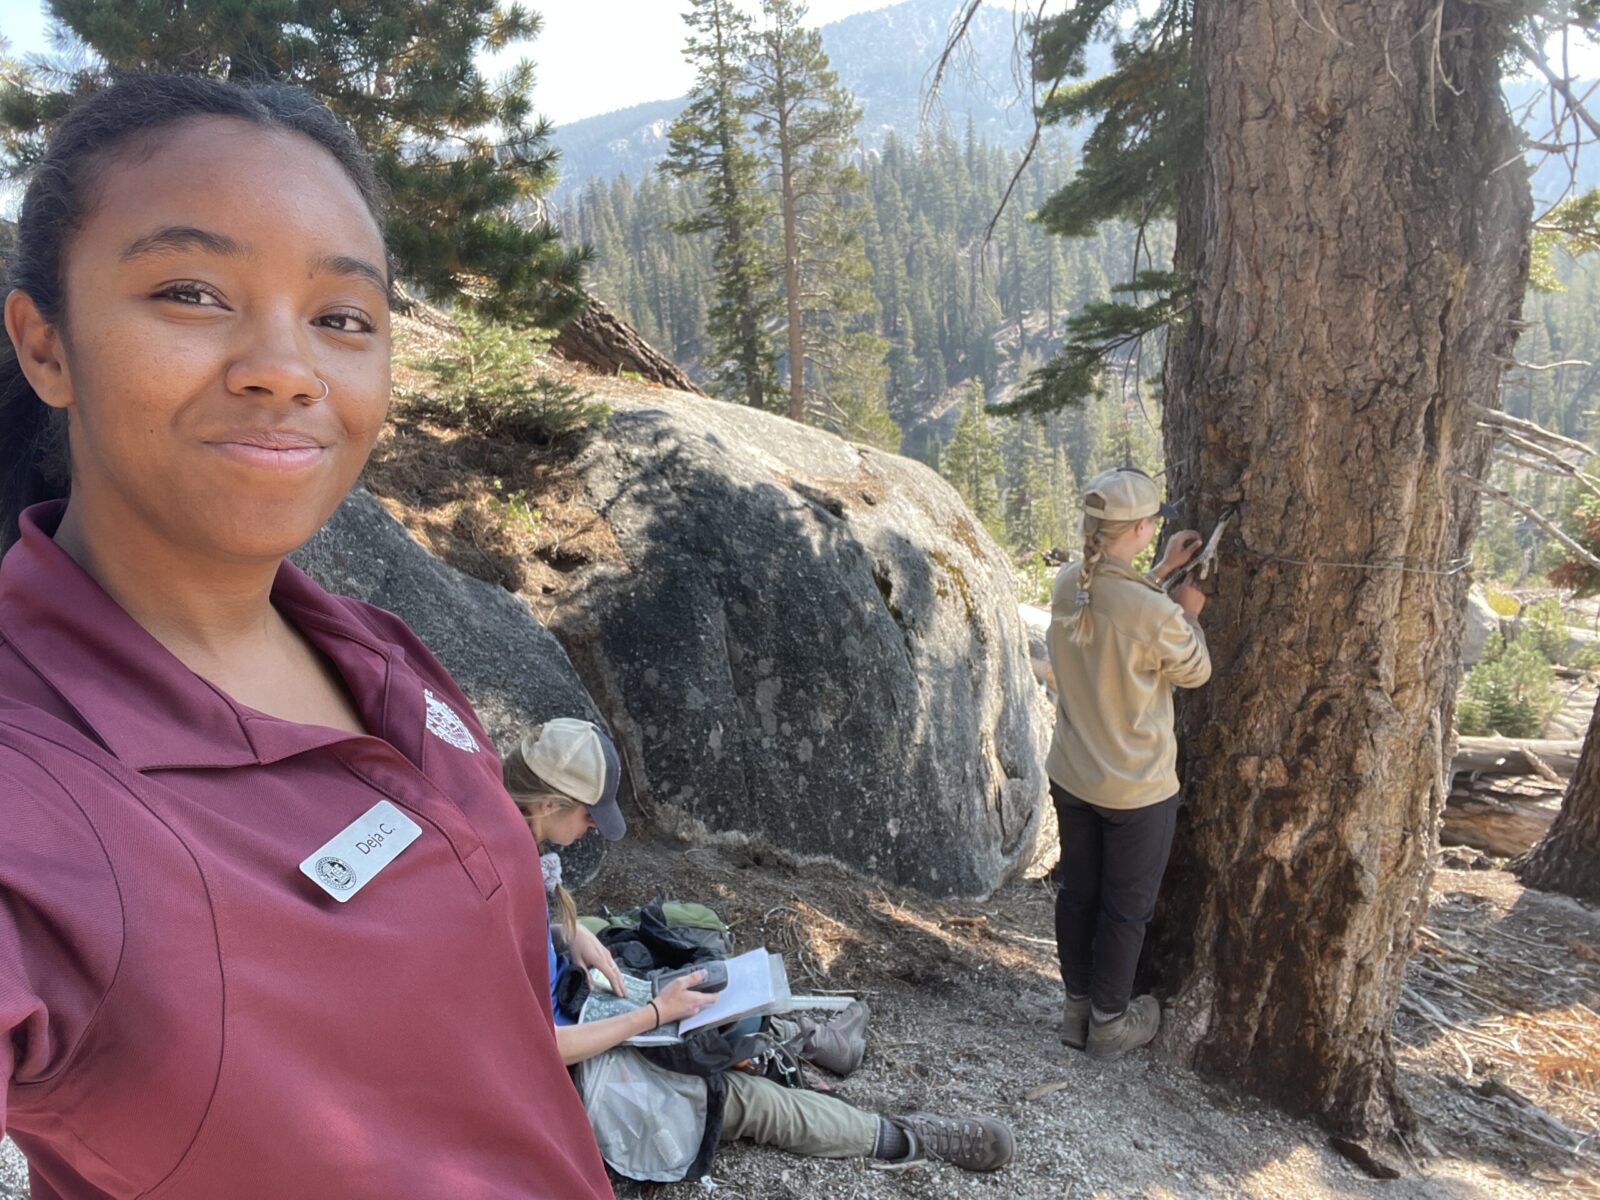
[[1181, 547], [678, 999], [1190, 598], [586, 951]]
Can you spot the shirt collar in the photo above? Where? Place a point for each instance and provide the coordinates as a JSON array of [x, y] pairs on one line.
[[134, 695]]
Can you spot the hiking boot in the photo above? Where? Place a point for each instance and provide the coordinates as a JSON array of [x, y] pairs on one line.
[[1136, 1026], [1075, 1021], [837, 1045], [972, 1143]]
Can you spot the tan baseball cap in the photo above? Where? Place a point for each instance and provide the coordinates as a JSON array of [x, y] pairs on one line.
[[1127, 494], [578, 760]]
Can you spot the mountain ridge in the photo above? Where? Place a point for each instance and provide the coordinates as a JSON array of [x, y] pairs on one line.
[[885, 57], [889, 87]]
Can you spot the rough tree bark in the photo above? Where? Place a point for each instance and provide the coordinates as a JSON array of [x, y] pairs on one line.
[[598, 338], [1567, 858], [1359, 261]]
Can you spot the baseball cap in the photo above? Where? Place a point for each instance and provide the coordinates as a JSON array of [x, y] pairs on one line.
[[578, 760], [1127, 494]]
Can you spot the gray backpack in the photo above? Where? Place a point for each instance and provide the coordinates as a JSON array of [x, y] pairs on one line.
[[650, 1123]]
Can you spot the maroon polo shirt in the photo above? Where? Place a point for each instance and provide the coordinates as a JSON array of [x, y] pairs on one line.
[[184, 1015]]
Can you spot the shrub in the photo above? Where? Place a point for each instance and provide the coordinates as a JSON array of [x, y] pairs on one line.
[[1503, 603], [516, 510], [1544, 624], [1035, 578], [486, 379], [1571, 573], [1511, 692]]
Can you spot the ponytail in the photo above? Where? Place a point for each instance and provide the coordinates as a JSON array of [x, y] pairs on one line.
[[535, 797], [61, 196], [1097, 531], [566, 911]]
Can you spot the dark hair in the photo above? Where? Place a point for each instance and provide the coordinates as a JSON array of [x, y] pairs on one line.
[[33, 439]]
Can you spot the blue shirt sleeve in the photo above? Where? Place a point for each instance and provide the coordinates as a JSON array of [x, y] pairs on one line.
[[558, 964]]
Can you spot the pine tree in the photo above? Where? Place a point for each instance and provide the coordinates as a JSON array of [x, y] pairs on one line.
[[1146, 138], [805, 121], [709, 146], [972, 462], [947, 308], [1031, 517], [1067, 524], [849, 391], [466, 161]]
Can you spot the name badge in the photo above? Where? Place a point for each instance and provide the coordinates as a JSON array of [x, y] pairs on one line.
[[363, 848]]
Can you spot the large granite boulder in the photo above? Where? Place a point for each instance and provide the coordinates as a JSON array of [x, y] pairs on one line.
[[1482, 623], [1037, 623], [808, 640], [513, 670]]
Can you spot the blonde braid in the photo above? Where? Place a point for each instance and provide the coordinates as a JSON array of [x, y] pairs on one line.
[[1097, 531], [1080, 625]]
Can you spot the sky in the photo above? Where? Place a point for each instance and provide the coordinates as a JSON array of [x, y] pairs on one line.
[[592, 57]]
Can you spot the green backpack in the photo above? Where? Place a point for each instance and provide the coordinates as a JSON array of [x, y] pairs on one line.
[[696, 921]]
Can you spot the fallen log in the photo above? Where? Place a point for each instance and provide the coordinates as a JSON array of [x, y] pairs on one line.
[[598, 338], [1501, 815], [1510, 756]]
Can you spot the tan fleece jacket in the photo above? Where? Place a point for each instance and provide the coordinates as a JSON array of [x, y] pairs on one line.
[[1113, 743]]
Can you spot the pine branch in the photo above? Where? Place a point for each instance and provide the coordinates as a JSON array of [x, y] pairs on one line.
[[1548, 464], [1494, 419], [1560, 83], [1554, 463], [958, 31], [1534, 515], [1566, 362]]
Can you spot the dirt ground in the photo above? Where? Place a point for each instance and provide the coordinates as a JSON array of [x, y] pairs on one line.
[[965, 1002]]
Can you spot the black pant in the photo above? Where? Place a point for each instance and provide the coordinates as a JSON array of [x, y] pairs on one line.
[[1112, 860]]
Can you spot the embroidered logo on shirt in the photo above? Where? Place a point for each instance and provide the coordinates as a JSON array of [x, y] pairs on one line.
[[446, 726], [336, 873]]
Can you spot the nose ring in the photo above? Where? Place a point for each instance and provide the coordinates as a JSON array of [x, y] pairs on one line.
[[325, 390]]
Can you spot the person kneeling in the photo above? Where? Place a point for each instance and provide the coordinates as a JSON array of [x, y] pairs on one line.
[[564, 775]]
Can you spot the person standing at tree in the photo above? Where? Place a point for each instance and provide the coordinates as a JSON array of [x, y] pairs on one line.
[[1118, 645], [270, 924]]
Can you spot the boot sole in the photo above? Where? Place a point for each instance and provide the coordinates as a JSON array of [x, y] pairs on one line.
[[1105, 1054]]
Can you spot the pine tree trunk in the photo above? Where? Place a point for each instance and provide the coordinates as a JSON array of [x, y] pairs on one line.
[[791, 288], [734, 231], [1567, 858], [1359, 262]]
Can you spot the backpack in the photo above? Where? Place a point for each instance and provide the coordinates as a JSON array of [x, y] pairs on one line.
[[651, 1124], [656, 1111], [690, 920]]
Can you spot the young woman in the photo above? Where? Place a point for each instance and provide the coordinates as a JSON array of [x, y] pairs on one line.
[[270, 925], [565, 776], [1118, 646]]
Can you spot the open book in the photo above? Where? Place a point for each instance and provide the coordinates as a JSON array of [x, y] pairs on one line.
[[602, 1003], [757, 985]]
